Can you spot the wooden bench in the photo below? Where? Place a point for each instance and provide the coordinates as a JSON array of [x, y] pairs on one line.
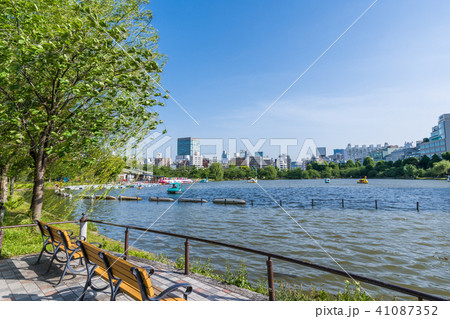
[[62, 242], [46, 240], [123, 276]]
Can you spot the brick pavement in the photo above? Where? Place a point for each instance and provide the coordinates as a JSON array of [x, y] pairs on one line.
[[21, 280]]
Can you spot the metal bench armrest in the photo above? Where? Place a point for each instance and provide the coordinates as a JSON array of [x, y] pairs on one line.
[[149, 270], [96, 244], [78, 237], [173, 288]]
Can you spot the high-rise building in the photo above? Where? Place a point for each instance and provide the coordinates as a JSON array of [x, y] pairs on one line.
[[188, 146], [439, 141], [283, 162], [224, 158], [321, 152]]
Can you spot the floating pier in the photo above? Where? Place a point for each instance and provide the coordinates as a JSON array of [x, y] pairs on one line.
[[161, 199], [192, 200], [99, 197], [129, 198], [229, 201]]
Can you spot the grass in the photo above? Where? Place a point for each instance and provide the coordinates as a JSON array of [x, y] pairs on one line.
[[283, 291], [28, 240]]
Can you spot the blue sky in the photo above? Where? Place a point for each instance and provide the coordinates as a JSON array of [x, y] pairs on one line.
[[386, 80]]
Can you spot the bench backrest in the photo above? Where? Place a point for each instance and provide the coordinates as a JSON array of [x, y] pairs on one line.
[[121, 269], [63, 238], [90, 253], [42, 228]]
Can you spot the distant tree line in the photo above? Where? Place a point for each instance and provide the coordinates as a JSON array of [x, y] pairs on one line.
[[412, 167]]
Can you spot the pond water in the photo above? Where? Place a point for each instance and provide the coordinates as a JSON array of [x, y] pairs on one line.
[[394, 243]]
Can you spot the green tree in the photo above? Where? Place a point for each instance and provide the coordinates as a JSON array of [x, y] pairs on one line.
[[246, 171], [77, 75], [349, 164], [380, 166], [434, 159], [410, 170], [398, 163], [446, 156], [313, 174], [411, 161], [441, 168], [424, 161], [326, 173], [368, 163], [11, 148], [216, 171], [296, 173], [270, 172]]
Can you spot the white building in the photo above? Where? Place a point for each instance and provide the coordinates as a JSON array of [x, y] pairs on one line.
[[283, 162], [196, 160]]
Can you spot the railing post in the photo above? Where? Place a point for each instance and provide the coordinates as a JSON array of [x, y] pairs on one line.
[[376, 204], [270, 279], [1, 240], [417, 206], [312, 202], [342, 203], [252, 202], [186, 257], [2, 214], [83, 227], [281, 202], [127, 240]]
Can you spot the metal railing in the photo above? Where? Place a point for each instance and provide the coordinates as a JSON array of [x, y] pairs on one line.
[[269, 262], [269, 255]]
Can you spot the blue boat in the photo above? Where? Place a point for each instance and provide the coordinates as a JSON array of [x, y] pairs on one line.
[[205, 180], [175, 188]]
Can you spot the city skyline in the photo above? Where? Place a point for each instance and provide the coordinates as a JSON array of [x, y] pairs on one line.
[[256, 148], [385, 80]]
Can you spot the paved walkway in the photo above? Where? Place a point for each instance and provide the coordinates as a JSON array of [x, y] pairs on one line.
[[20, 279]]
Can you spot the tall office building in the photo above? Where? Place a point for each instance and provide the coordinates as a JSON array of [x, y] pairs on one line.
[[439, 141], [321, 152], [188, 146]]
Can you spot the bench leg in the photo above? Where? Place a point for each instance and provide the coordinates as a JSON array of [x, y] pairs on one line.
[[40, 255], [115, 290], [63, 274], [86, 286], [53, 258]]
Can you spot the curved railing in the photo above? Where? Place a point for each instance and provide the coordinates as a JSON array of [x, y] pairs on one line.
[[270, 256]]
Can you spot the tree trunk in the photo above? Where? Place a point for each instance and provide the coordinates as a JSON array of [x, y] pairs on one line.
[[4, 183], [11, 186], [40, 165]]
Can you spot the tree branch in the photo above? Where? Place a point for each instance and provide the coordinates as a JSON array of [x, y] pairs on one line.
[[41, 99]]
